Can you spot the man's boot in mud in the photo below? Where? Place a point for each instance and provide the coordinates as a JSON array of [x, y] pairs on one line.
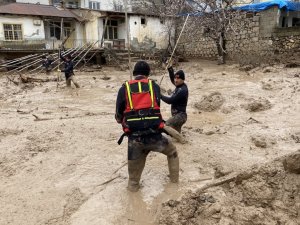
[[135, 169], [173, 164]]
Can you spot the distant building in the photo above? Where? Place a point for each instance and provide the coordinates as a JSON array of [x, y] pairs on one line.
[[25, 25], [2, 2]]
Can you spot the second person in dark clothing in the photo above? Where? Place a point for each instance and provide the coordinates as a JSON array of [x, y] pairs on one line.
[[68, 70], [178, 100]]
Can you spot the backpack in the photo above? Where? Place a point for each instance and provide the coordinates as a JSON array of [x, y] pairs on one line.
[[142, 113]]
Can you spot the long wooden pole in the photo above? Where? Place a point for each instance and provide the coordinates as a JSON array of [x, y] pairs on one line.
[[175, 47], [128, 39]]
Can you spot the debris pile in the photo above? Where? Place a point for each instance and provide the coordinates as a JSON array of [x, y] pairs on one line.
[[211, 102], [269, 194]]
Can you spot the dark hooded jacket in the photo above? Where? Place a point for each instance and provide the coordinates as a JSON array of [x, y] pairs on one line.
[[179, 97]]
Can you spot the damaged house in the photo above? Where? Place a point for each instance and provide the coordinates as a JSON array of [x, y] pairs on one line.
[[43, 24], [36, 26]]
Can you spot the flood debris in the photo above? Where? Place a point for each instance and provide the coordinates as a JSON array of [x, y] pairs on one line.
[[27, 79], [210, 102], [266, 194], [256, 105]]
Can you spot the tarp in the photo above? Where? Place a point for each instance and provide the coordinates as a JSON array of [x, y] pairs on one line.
[[257, 7]]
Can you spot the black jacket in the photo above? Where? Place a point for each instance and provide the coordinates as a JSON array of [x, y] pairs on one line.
[[121, 99], [179, 97], [69, 66]]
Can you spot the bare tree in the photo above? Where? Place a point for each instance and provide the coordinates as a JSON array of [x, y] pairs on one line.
[[216, 18]]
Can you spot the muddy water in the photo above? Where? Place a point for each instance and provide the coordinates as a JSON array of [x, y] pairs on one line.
[[54, 171]]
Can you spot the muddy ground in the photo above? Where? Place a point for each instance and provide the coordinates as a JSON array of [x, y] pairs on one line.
[[60, 162]]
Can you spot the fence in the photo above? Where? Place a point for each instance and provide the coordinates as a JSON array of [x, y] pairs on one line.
[[47, 44]]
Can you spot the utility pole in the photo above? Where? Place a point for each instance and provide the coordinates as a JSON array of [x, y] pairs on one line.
[[128, 38]]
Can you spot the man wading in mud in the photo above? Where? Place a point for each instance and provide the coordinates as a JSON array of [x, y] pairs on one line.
[[178, 100], [138, 110], [68, 70]]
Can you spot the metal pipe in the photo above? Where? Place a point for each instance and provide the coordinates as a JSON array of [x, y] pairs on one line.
[[17, 60], [52, 62], [22, 66], [86, 52], [72, 55]]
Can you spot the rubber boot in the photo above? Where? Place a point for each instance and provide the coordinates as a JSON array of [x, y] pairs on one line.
[[173, 163], [135, 169]]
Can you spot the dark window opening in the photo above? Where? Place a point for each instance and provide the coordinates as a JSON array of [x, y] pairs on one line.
[[143, 21], [55, 29], [283, 24], [111, 31], [296, 22]]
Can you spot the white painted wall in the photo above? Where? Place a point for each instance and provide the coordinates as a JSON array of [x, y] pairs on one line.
[[79, 31], [30, 31], [92, 29], [154, 30], [105, 5], [42, 2]]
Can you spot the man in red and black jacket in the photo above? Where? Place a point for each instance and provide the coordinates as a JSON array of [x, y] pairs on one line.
[[143, 124]]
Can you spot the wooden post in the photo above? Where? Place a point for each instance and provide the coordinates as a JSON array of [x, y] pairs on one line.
[[174, 47], [128, 39], [62, 30]]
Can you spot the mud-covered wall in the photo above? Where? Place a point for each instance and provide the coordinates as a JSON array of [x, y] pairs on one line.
[[258, 39]]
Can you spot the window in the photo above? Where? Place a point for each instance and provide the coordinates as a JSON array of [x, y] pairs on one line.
[[55, 29], [94, 5], [296, 22], [13, 32], [143, 21], [111, 31]]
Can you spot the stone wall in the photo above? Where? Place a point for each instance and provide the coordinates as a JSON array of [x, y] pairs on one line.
[[258, 39]]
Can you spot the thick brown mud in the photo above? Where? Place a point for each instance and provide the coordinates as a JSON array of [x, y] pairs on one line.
[[60, 162]]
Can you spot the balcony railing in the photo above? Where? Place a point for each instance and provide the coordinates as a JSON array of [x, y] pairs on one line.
[[49, 44]]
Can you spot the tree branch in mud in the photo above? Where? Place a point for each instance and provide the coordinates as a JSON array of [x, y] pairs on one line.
[[12, 80], [108, 181], [26, 79], [40, 119], [37, 118]]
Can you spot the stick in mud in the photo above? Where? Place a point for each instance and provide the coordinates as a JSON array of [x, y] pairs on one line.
[[40, 119], [174, 133]]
